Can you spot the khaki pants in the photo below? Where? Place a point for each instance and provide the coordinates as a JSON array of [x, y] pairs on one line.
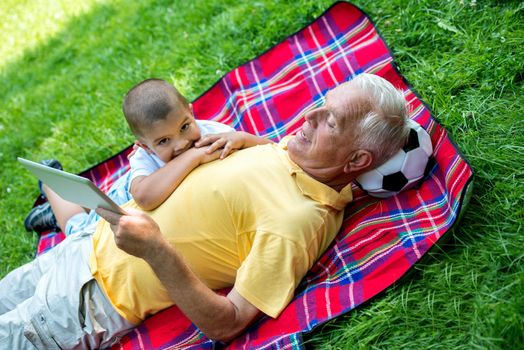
[[54, 303]]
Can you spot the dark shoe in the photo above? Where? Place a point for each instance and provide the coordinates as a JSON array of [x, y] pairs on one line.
[[40, 218], [53, 163]]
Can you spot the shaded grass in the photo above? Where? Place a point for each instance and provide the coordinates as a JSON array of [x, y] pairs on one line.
[[62, 96]]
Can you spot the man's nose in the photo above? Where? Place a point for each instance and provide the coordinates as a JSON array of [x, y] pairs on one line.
[[312, 117]]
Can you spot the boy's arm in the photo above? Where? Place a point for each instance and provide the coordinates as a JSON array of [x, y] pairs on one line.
[[230, 141], [152, 190]]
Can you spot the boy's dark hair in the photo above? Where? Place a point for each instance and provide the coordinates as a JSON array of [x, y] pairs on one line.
[[149, 101]]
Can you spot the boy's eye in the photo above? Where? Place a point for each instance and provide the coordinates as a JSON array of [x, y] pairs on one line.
[[185, 127], [163, 141]]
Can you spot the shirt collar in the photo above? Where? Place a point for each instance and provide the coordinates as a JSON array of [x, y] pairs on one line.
[[312, 188]]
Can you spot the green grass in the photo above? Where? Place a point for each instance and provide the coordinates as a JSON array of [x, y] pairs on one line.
[[64, 69]]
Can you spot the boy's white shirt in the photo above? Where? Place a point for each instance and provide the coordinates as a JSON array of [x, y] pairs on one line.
[[144, 164]]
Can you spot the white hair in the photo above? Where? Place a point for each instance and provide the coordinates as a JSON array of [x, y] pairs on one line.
[[384, 129]]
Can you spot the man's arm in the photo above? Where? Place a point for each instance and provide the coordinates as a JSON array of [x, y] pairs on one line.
[[152, 190], [218, 317]]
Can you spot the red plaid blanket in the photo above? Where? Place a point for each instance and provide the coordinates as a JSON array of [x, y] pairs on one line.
[[380, 239]]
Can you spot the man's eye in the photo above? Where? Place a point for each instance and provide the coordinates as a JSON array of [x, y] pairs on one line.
[[331, 121], [185, 127]]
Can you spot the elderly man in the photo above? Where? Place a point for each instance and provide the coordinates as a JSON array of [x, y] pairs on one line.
[[256, 221]]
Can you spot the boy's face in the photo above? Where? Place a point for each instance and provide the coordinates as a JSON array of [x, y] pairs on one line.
[[172, 136]]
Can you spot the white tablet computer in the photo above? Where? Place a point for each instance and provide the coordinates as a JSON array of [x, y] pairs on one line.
[[72, 187]]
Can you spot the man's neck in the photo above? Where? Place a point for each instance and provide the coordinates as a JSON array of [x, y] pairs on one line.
[[336, 183], [338, 186]]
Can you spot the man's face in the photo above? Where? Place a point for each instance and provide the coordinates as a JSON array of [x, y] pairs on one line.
[[172, 136], [325, 143]]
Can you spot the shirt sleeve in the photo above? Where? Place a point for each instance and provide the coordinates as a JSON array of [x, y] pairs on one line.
[[272, 270], [143, 164], [211, 127]]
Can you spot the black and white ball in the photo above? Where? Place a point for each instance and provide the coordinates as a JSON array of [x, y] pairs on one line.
[[404, 169]]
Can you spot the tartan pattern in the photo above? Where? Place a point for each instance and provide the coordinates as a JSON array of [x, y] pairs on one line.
[[379, 240]]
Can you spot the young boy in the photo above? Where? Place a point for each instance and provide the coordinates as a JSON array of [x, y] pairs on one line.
[[170, 144]]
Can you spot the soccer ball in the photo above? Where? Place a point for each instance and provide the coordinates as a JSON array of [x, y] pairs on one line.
[[404, 169]]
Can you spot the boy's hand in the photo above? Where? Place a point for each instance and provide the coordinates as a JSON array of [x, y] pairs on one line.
[[228, 142], [202, 154]]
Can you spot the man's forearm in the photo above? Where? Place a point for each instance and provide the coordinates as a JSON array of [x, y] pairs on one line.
[[215, 315]]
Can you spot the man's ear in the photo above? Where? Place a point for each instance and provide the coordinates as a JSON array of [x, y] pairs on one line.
[[358, 161], [144, 146]]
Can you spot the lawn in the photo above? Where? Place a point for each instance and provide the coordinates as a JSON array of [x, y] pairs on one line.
[[65, 66]]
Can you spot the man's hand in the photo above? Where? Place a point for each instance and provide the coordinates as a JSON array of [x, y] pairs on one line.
[[136, 233], [227, 141]]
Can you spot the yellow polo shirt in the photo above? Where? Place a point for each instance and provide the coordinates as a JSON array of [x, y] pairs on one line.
[[254, 220]]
